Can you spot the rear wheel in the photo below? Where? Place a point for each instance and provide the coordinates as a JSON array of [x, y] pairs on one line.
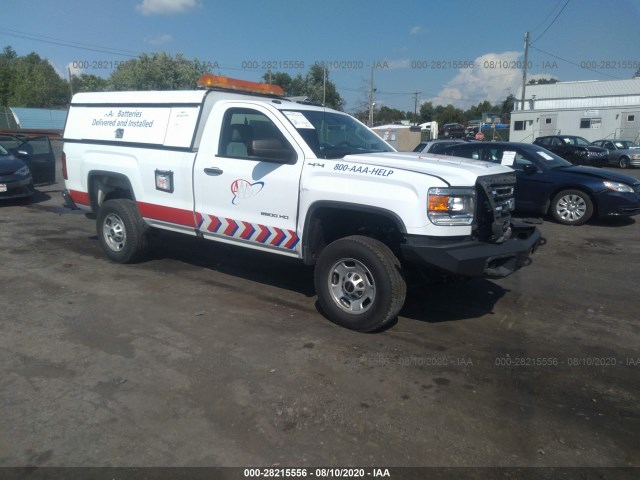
[[571, 207], [359, 283], [623, 162], [121, 231]]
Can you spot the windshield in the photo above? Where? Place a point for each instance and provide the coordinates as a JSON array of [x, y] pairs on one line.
[[420, 147], [622, 144], [334, 135], [577, 141], [546, 158]]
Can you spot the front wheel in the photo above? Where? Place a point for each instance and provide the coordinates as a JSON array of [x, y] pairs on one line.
[[624, 162], [359, 283], [121, 231], [571, 207]]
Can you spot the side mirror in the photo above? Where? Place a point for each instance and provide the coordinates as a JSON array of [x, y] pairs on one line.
[[529, 168], [271, 149]]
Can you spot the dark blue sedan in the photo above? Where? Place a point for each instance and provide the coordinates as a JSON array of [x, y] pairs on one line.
[[15, 177], [547, 184]]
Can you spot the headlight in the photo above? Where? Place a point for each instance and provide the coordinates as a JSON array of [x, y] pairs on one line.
[[635, 156], [23, 172], [451, 206], [618, 187]]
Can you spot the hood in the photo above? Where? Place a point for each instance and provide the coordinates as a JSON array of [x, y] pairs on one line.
[[10, 164], [600, 173], [455, 171]]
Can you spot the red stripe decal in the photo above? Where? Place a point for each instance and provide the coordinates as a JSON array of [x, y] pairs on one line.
[[215, 224], [167, 214], [292, 241], [278, 238], [248, 230], [264, 234], [231, 228]]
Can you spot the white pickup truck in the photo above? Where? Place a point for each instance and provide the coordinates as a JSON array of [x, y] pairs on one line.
[[236, 162]]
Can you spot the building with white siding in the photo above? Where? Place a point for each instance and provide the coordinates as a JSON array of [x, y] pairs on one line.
[[32, 118], [591, 109]]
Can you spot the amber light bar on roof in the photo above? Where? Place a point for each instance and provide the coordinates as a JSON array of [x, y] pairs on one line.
[[214, 81]]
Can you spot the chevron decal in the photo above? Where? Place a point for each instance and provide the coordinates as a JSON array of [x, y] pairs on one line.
[[253, 232]]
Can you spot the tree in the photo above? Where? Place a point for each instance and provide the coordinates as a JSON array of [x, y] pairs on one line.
[[475, 113], [389, 115], [313, 85], [507, 107], [88, 83], [8, 59], [542, 81], [158, 71], [36, 84], [281, 79], [448, 114], [427, 112]]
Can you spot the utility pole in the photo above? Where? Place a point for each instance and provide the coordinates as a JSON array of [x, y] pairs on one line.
[[371, 104], [70, 81], [524, 69], [415, 106], [324, 85]]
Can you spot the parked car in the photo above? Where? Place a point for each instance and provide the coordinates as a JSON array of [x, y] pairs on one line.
[[471, 131], [434, 146], [576, 150], [36, 153], [452, 130], [622, 153], [548, 184], [15, 177]]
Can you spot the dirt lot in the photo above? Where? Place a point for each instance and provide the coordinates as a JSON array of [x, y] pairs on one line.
[[210, 355]]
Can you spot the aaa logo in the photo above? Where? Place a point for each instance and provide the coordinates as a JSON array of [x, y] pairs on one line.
[[242, 189]]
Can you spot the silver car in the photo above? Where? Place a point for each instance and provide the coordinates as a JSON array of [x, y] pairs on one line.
[[434, 146], [622, 153]]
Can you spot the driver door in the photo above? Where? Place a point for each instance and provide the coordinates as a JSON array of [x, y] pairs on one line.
[[246, 179]]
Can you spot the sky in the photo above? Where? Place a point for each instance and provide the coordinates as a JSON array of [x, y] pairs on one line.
[[447, 52]]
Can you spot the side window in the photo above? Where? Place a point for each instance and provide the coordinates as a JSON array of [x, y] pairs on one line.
[[249, 134], [520, 161], [544, 142], [465, 151], [556, 142], [493, 155], [609, 145]]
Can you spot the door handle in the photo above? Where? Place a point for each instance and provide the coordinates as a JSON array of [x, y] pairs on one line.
[[213, 171]]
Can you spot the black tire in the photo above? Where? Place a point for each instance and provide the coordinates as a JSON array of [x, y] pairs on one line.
[[571, 207], [623, 162], [121, 231], [359, 283]]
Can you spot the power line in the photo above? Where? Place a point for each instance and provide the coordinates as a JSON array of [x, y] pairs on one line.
[[547, 17], [65, 43], [554, 21], [573, 63]]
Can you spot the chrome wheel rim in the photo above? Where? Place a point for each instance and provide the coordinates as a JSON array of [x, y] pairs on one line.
[[571, 208], [351, 286], [114, 232]]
